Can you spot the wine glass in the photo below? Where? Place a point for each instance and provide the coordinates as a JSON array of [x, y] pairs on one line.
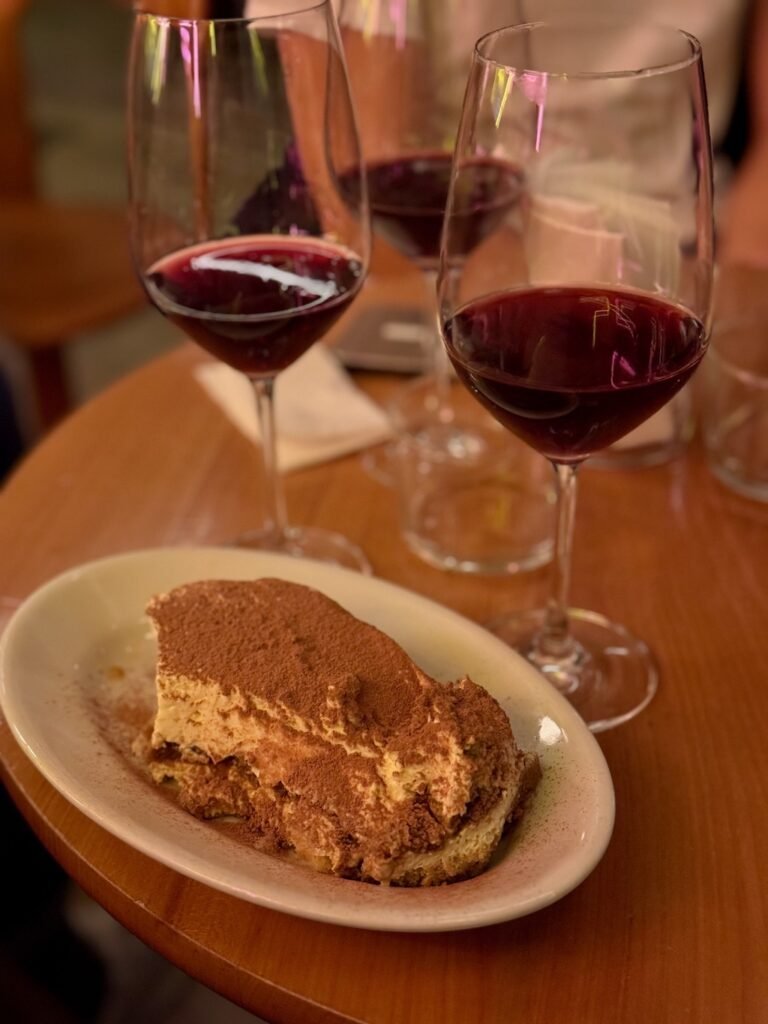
[[238, 131], [408, 65], [583, 314]]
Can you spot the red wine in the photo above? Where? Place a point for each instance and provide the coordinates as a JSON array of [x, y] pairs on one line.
[[570, 370], [256, 302], [408, 196]]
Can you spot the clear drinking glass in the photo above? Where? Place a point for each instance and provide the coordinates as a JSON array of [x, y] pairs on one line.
[[735, 406], [239, 129], [587, 308]]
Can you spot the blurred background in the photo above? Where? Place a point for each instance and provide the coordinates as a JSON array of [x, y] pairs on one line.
[[79, 320], [62, 71]]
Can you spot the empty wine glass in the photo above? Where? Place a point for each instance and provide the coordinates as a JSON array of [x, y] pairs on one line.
[[588, 309], [238, 131]]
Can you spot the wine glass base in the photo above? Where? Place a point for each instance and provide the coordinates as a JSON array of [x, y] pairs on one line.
[[438, 412], [308, 542], [607, 674], [380, 463]]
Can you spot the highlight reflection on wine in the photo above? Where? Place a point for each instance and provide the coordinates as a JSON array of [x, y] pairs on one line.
[[257, 304], [241, 233], [570, 370], [594, 311]]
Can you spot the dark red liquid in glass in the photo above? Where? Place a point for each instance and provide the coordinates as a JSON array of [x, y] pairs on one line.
[[571, 370], [408, 196], [256, 303]]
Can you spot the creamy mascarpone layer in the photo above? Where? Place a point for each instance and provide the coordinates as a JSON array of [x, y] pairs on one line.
[[199, 719]]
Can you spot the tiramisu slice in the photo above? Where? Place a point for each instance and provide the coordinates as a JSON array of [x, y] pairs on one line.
[[278, 706]]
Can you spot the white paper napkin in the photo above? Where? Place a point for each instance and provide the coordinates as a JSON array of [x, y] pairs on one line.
[[320, 413]]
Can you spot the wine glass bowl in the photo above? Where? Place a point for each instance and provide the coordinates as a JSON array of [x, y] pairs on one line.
[[408, 64], [407, 74], [587, 307], [239, 129], [286, 296]]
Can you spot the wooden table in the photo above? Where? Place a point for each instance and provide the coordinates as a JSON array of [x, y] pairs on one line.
[[673, 924]]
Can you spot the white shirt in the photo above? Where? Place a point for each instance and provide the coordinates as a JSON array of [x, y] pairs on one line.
[[457, 24]]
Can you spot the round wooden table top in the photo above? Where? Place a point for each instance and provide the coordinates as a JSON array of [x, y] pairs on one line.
[[673, 923]]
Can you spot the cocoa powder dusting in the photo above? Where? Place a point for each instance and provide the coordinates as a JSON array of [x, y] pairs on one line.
[[287, 643]]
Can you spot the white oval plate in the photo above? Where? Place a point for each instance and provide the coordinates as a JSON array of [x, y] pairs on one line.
[[76, 668]]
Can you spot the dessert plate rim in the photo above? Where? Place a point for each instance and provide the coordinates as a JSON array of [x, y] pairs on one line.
[[48, 661]]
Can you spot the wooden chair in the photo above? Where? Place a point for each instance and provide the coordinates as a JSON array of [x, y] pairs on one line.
[[64, 269]]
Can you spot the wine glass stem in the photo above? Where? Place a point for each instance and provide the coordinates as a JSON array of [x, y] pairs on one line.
[[554, 640], [435, 356], [275, 520]]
